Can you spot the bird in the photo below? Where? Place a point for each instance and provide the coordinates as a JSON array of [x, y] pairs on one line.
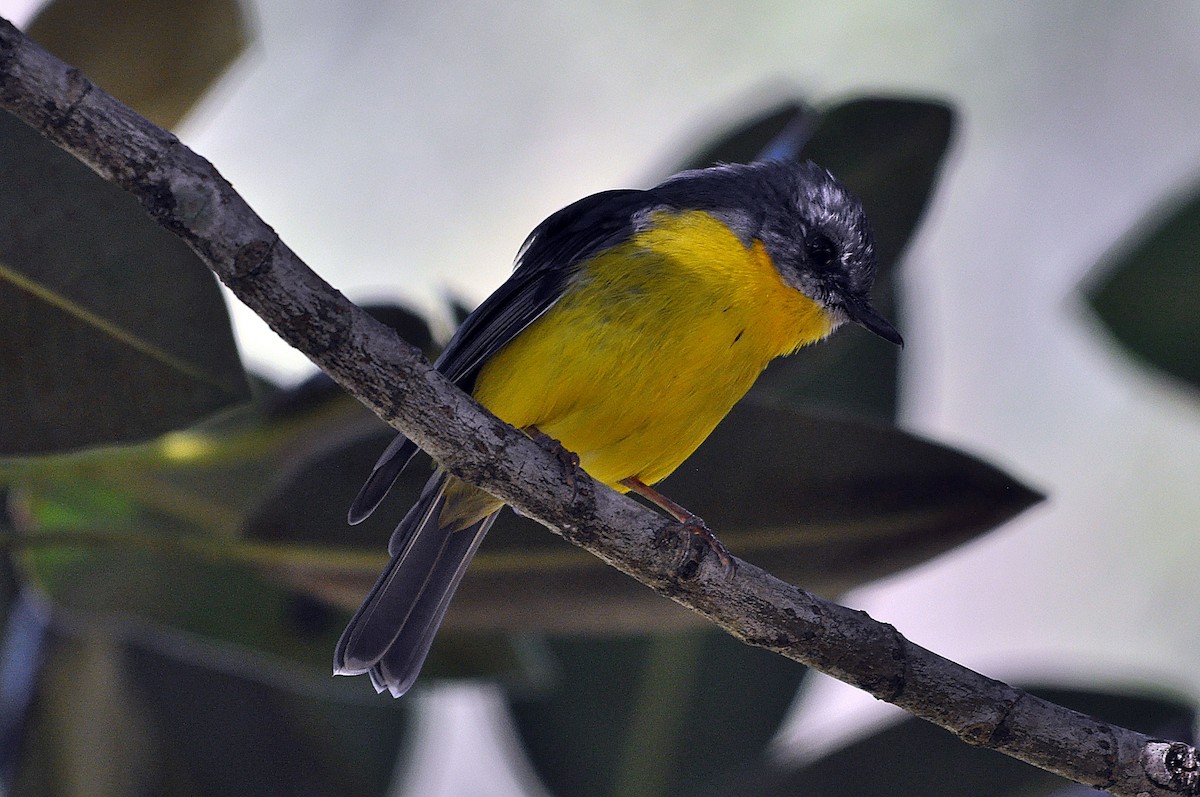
[[633, 321]]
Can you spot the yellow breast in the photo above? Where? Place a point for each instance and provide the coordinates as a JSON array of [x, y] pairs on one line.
[[650, 346]]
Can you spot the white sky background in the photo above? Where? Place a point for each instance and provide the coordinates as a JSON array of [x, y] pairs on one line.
[[405, 150]]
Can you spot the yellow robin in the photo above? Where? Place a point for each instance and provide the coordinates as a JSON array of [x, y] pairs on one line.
[[633, 322]]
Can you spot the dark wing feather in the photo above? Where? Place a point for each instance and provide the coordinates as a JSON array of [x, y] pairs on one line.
[[546, 262], [388, 467], [548, 259]]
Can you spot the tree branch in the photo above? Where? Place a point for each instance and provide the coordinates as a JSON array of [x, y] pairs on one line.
[[185, 194]]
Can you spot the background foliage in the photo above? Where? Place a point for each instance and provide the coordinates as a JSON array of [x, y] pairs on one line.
[[178, 564]]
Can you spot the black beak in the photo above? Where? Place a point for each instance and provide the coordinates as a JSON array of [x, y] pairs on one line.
[[865, 316]]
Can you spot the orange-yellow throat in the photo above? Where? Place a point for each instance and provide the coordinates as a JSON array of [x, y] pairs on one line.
[[650, 346]]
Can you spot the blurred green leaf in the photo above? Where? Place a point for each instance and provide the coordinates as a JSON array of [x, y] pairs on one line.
[[409, 325], [150, 532], [285, 742], [154, 532], [656, 715], [914, 758], [98, 745], [459, 310], [157, 58], [779, 132], [1146, 292], [874, 501], [831, 503], [115, 715], [114, 331]]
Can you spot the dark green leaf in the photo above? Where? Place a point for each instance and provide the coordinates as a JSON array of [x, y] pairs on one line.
[[1148, 290], [459, 310], [153, 533], [915, 758], [97, 746], [150, 532], [157, 58], [829, 503], [114, 331], [284, 741], [164, 715], [776, 133], [656, 715]]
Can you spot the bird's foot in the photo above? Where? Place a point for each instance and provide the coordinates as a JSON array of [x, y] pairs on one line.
[[698, 541], [699, 538]]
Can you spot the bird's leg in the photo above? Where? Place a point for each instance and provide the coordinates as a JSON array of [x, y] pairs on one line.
[[700, 532]]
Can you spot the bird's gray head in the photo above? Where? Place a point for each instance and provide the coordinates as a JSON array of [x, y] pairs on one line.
[[812, 227]]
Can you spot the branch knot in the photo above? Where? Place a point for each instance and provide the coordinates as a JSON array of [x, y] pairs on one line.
[[252, 258], [1172, 765]]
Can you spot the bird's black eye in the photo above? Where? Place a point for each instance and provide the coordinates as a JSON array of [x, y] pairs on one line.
[[820, 250]]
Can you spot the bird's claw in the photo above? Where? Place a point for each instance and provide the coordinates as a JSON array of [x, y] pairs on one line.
[[698, 540]]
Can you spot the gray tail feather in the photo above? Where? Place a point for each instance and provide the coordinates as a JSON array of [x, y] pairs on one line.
[[391, 633], [392, 461]]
